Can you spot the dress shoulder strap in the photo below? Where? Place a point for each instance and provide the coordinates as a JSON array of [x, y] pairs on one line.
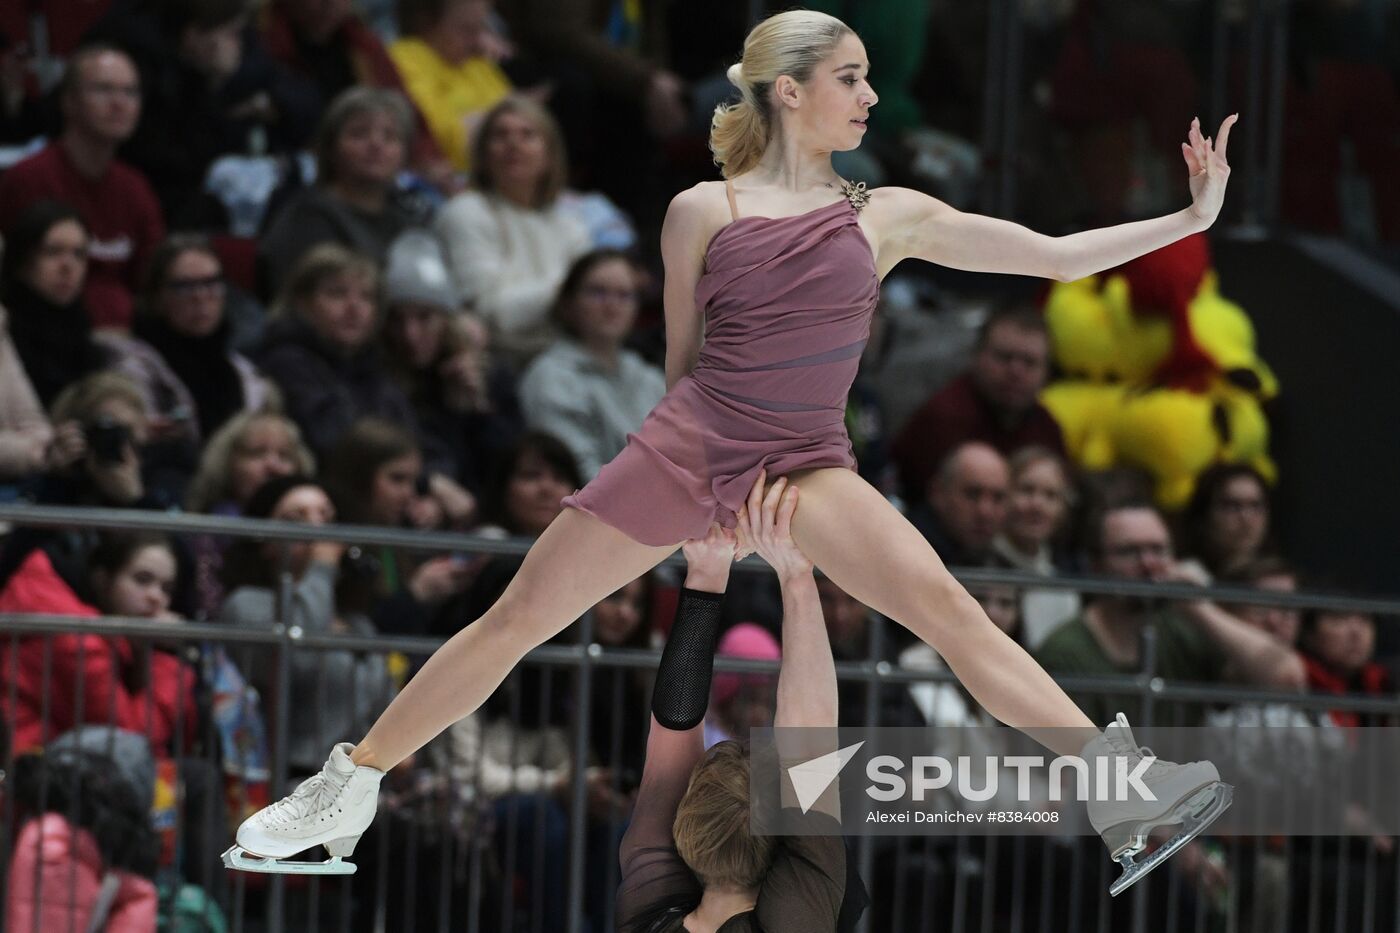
[[729, 192]]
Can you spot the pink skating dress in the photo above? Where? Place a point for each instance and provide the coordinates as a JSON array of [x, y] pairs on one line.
[[787, 304]]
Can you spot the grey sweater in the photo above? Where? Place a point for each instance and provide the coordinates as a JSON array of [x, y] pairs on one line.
[[335, 695]]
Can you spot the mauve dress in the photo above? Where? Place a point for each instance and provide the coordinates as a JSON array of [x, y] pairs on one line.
[[787, 304]]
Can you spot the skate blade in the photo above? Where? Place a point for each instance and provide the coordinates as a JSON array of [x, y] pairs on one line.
[[1199, 811], [240, 859]]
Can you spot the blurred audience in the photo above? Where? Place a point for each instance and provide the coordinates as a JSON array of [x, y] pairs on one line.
[[361, 146], [1195, 641], [964, 506], [41, 283], [995, 401], [101, 102], [447, 61], [208, 90], [328, 43], [1038, 512], [179, 354], [510, 241], [335, 695], [320, 347], [1227, 520], [587, 388], [533, 478], [857, 634], [440, 357]]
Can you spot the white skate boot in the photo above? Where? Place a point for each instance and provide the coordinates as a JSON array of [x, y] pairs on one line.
[[330, 809], [1191, 794]]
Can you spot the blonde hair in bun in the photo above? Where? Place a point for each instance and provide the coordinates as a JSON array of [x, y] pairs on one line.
[[791, 44]]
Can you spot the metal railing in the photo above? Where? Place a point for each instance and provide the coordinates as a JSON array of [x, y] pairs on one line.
[[901, 880]]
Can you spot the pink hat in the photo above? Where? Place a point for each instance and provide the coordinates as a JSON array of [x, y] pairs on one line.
[[745, 640]]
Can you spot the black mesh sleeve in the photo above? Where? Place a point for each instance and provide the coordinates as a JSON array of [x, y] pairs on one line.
[[682, 690]]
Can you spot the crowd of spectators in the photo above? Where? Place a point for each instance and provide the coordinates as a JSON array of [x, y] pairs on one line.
[[275, 262]]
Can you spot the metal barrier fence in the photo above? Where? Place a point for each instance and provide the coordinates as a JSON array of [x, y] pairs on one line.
[[455, 849]]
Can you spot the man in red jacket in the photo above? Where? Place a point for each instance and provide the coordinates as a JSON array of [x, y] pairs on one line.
[[994, 402], [101, 103]]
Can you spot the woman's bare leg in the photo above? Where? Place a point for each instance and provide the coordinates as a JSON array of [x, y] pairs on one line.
[[574, 564], [872, 552]]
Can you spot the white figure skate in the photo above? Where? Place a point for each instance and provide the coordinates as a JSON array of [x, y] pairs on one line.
[[1191, 794], [330, 809]]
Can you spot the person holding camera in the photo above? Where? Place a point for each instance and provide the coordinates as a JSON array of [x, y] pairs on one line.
[[102, 421]]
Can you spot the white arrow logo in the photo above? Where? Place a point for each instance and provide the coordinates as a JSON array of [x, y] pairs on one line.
[[811, 778]]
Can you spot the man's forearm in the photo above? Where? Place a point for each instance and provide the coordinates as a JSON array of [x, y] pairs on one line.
[[1255, 654], [807, 681]]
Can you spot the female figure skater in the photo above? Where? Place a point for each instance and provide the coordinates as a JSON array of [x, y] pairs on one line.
[[778, 268]]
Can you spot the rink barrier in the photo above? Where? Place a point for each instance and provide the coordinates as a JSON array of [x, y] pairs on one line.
[[586, 660]]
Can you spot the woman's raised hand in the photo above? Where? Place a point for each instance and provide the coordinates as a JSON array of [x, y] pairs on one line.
[[1205, 160]]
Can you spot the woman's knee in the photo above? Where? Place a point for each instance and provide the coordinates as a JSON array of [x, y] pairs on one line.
[[940, 605]]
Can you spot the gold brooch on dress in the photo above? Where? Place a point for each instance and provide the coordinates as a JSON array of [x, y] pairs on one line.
[[855, 193]]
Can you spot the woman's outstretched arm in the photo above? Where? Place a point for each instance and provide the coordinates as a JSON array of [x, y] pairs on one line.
[[913, 225]]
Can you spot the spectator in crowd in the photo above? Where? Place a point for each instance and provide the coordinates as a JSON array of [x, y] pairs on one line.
[[26, 438], [41, 284], [109, 417], [439, 355], [1275, 576], [850, 626], [84, 840], [740, 702], [375, 475], [327, 42], [361, 146], [535, 475], [1339, 652], [621, 695], [510, 242], [1227, 519], [1196, 641], [525, 494], [948, 703], [587, 389], [101, 102], [250, 449], [209, 90], [445, 62], [964, 508], [179, 354], [993, 402], [64, 681], [359, 682], [320, 348], [1038, 510]]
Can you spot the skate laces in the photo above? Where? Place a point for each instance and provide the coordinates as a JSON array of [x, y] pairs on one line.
[[316, 793], [1121, 740]]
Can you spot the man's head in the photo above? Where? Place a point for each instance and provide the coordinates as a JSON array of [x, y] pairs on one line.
[[101, 95], [846, 617], [969, 494], [1132, 542], [711, 828], [1274, 575], [1012, 359]]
